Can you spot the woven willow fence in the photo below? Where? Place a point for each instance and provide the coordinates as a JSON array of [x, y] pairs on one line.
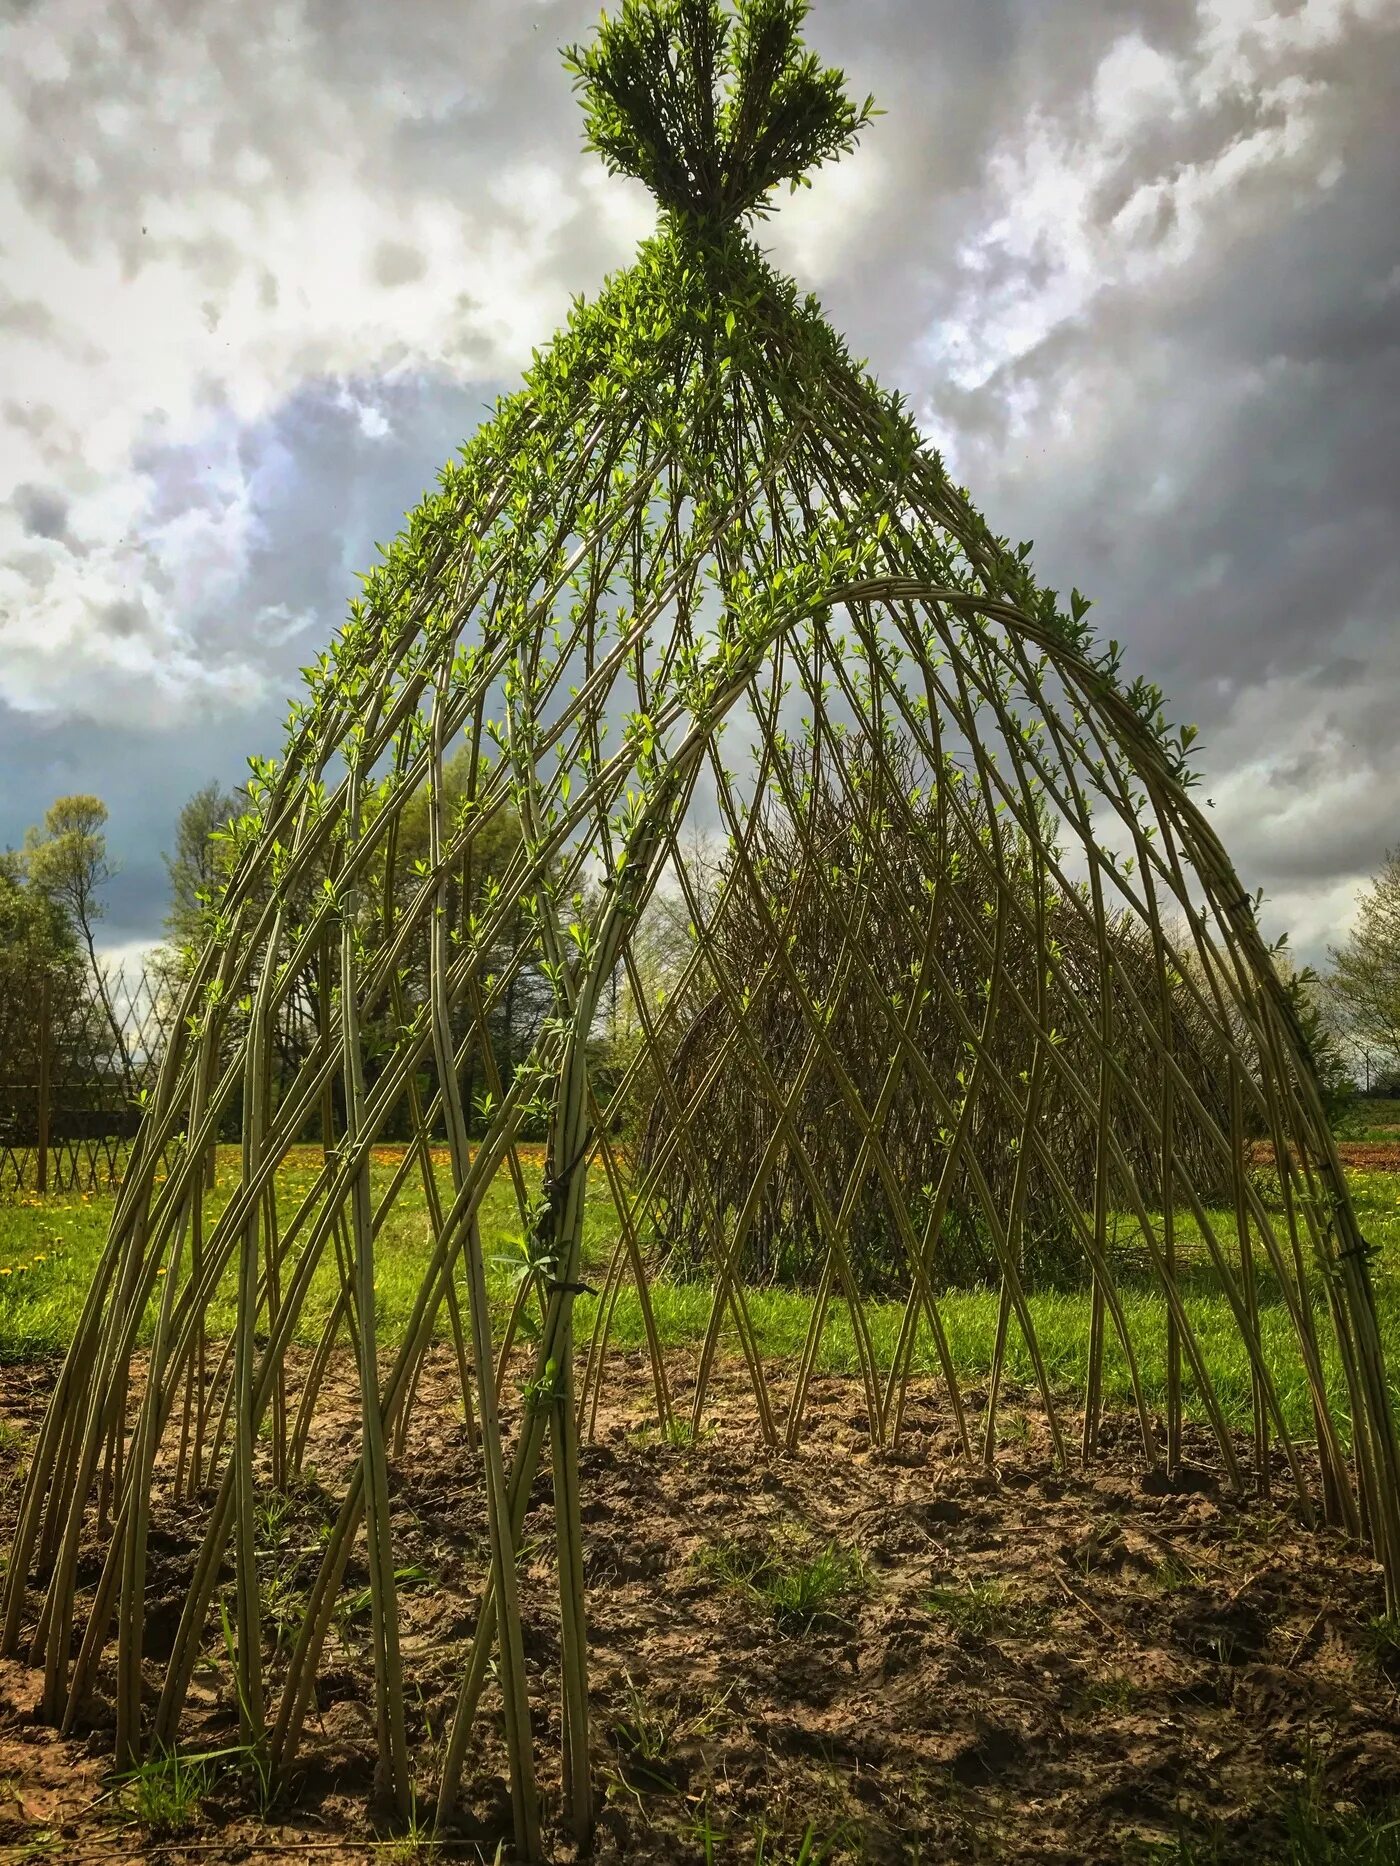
[[76, 1055], [699, 570]]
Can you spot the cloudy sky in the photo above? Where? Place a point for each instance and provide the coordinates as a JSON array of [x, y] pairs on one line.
[[1136, 262]]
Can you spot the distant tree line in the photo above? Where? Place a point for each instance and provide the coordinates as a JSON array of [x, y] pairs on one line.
[[1363, 986], [53, 898], [199, 869], [71, 1059]]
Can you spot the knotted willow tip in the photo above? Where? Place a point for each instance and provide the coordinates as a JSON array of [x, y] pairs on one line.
[[712, 109], [851, 924]]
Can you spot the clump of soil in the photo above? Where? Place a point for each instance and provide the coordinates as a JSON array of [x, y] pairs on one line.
[[1371, 1156], [895, 1656]]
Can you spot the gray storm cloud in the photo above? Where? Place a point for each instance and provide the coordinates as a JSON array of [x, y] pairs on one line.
[[1136, 266]]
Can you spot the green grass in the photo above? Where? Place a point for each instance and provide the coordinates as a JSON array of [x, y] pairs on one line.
[[1383, 1639], [795, 1587], [761, 1847], [1307, 1831], [1172, 1575], [48, 1249], [165, 1793], [648, 1733], [1369, 1118], [982, 1609], [1109, 1696]]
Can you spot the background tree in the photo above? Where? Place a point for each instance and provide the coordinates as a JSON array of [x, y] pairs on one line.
[[1363, 986], [38, 948], [846, 825], [197, 866], [395, 878], [199, 869], [67, 861], [35, 933]]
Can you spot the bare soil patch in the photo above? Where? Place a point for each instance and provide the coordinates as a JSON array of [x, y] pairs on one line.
[[1370, 1156], [1017, 1664]]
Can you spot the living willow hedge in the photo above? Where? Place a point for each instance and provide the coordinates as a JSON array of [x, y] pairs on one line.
[[698, 524]]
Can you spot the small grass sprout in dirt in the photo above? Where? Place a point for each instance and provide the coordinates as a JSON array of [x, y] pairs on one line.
[[647, 1736], [1173, 1575], [768, 1849], [812, 1850], [164, 1794], [981, 1609], [679, 1434], [1382, 1641], [1096, 1697], [1308, 1832], [417, 1841], [796, 1587], [1015, 1430], [355, 1606], [650, 1731], [645, 1731], [283, 1610]]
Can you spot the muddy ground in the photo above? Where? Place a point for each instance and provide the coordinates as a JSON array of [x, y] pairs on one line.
[[1017, 1664], [1370, 1156]]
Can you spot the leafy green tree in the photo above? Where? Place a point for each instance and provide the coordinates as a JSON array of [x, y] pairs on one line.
[[35, 933], [37, 947], [197, 866], [204, 855], [1326, 1046], [472, 892], [67, 861], [1363, 986]]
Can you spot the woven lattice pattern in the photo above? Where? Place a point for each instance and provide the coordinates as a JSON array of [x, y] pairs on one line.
[[965, 970], [77, 1055]]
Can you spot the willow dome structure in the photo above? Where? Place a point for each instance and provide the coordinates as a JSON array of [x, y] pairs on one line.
[[699, 562]]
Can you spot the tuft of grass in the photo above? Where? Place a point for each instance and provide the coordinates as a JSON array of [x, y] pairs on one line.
[[1100, 1696], [767, 1848], [165, 1792], [1318, 1837], [646, 1732], [1015, 1429], [1382, 1640], [1173, 1575], [982, 1609], [355, 1606], [812, 1849], [796, 1588], [283, 1610], [647, 1736], [1304, 1831], [417, 1841], [678, 1433]]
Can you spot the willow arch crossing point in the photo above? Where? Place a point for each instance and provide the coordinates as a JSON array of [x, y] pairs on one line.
[[696, 519]]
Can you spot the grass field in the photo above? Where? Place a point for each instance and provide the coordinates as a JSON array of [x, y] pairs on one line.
[[48, 1248], [1370, 1119]]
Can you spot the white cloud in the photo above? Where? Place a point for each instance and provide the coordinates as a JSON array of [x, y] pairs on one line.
[[248, 251], [813, 229], [1177, 141], [1134, 85], [206, 248]]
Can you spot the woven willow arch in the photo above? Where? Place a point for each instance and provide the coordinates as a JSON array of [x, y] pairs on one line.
[[700, 569]]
